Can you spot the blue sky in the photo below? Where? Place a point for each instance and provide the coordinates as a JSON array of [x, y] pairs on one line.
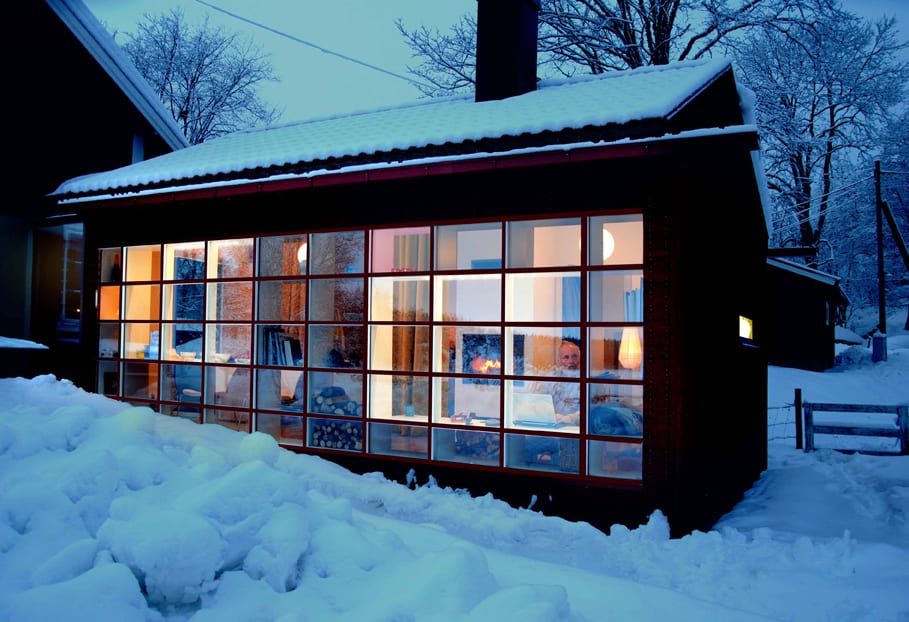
[[314, 82], [316, 79]]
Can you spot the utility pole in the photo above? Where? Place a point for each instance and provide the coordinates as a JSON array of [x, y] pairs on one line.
[[879, 339]]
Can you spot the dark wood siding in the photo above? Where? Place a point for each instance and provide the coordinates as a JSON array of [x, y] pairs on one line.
[[802, 330]]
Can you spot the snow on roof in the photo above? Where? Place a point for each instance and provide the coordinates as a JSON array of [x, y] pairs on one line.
[[812, 273], [110, 57], [614, 98]]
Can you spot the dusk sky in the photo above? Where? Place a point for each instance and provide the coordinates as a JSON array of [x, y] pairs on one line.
[[345, 55]]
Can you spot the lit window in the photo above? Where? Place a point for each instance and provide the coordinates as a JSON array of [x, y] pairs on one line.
[[746, 328]]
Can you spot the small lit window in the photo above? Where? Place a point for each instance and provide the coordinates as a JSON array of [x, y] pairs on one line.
[[746, 328]]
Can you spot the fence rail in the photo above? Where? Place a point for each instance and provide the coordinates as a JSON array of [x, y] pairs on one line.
[[870, 426]]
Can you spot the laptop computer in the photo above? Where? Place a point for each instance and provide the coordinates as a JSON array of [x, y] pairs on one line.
[[534, 409]]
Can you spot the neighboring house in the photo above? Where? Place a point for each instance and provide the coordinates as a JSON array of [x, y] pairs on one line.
[[802, 321], [82, 107], [389, 290]]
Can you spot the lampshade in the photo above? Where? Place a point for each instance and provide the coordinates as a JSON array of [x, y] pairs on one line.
[[301, 253], [630, 353], [608, 244]]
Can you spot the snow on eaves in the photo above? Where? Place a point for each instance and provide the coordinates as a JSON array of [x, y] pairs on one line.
[[607, 99]]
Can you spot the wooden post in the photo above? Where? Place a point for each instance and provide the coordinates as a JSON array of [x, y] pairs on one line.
[[902, 417], [809, 426], [879, 341], [798, 418]]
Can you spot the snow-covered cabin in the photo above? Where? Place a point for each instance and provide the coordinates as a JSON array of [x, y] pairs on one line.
[[390, 289], [801, 325]]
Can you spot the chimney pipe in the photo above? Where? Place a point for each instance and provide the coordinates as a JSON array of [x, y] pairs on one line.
[[506, 48]]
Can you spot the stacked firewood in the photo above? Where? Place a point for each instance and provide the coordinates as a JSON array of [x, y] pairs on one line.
[[331, 434]]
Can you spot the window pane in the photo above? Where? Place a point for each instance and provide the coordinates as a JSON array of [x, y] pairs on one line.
[[283, 255], [280, 346], [466, 446], [468, 350], [616, 352], [338, 434], [109, 341], [542, 453], [460, 401], [109, 302], [611, 459], [141, 341], [553, 404], [615, 409], [233, 341], [184, 301], [108, 378], [336, 299], [334, 345], [142, 302], [616, 240], [276, 389], [400, 250], [538, 351], [468, 298], [549, 297], [111, 266], [544, 243], [399, 348], [227, 386], [337, 253], [181, 341], [143, 263], [399, 299], [398, 440], [286, 429], [184, 261], [282, 301], [140, 380], [335, 393], [229, 418], [230, 301], [617, 296], [230, 258], [406, 397], [476, 246]]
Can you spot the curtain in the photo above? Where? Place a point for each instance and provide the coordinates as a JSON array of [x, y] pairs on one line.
[[409, 347]]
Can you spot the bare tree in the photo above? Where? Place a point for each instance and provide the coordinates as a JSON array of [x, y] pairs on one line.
[[207, 77], [595, 36], [449, 60], [825, 90]]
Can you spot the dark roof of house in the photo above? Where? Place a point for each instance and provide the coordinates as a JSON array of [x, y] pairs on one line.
[[682, 99]]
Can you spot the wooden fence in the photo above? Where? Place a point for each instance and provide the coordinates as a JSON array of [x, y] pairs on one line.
[[879, 428]]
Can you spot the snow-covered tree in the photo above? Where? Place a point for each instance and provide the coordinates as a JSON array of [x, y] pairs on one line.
[[207, 77], [825, 90], [595, 36]]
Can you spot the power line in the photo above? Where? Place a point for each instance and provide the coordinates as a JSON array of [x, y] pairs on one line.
[[808, 217], [313, 45]]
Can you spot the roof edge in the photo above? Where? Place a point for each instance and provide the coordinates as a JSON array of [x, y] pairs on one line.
[[422, 167], [101, 45]]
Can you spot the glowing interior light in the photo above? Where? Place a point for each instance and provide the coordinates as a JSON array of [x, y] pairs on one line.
[[746, 328], [301, 253], [630, 352], [608, 244]]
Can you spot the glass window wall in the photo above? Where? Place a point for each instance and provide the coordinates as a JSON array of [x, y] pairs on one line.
[[508, 344]]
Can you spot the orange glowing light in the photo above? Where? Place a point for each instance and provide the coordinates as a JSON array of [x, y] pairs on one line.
[[483, 365]]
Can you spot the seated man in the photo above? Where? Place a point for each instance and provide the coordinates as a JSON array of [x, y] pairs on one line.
[[566, 399], [565, 390]]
